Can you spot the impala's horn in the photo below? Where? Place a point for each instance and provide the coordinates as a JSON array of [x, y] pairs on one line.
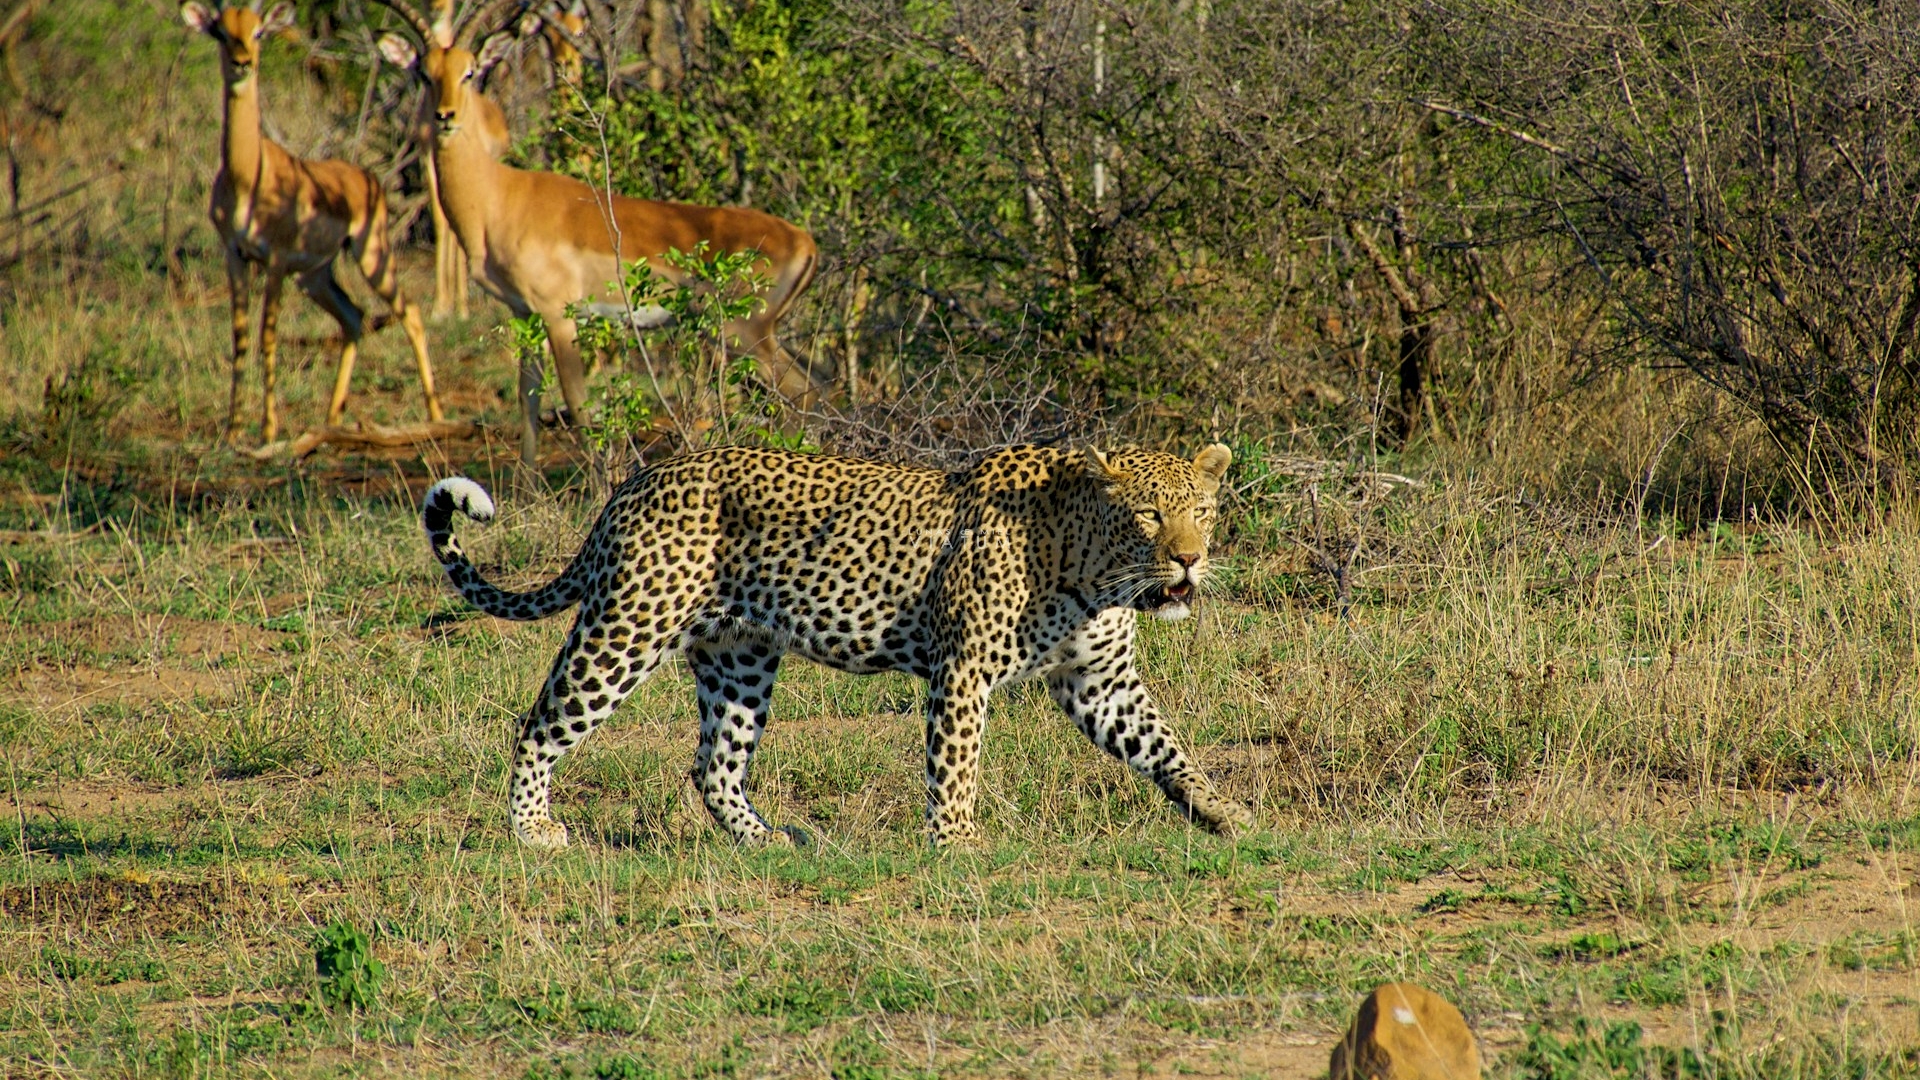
[[489, 16], [413, 19]]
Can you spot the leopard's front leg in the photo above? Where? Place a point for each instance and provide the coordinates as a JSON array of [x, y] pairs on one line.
[[1103, 694], [956, 724]]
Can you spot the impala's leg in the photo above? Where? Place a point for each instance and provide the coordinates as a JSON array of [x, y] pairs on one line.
[[449, 265], [377, 263], [457, 259], [1104, 696], [530, 398], [320, 284], [757, 334], [783, 371], [269, 347], [734, 682], [956, 722], [566, 365], [240, 285]]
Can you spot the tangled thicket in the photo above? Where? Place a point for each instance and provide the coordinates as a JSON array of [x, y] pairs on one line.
[[1346, 213]]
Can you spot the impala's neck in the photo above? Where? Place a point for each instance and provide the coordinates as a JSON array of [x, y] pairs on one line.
[[469, 184], [242, 135]]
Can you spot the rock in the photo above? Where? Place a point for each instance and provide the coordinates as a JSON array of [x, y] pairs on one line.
[[1405, 1032]]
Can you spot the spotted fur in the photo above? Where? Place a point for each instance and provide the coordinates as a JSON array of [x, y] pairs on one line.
[[1031, 563]]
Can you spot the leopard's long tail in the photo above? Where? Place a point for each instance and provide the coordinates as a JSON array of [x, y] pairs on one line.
[[436, 516]]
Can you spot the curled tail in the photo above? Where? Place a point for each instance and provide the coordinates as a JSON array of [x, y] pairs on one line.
[[436, 516]]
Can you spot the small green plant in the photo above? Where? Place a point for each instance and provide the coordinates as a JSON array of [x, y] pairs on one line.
[[1616, 1052], [674, 337], [1597, 945], [527, 339], [349, 973], [625, 1067], [65, 965], [528, 336]]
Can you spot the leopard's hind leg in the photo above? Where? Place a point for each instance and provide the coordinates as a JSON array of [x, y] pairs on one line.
[[734, 682], [615, 646]]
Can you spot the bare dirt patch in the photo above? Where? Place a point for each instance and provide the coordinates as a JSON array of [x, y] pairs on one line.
[[137, 904], [138, 637], [103, 801], [1282, 1055], [137, 660], [82, 687], [157, 907]]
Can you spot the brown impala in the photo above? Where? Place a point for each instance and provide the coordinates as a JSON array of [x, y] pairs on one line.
[[292, 216], [449, 265], [539, 241]]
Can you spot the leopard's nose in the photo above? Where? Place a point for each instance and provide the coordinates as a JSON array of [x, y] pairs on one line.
[[1185, 560]]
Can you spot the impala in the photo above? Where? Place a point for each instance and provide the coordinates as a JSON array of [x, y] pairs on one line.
[[562, 27], [540, 241], [449, 275], [292, 217]]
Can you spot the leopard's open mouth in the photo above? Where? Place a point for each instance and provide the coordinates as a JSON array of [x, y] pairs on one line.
[[1165, 596]]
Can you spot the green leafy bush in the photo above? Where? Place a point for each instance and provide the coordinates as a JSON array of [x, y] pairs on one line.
[[350, 974]]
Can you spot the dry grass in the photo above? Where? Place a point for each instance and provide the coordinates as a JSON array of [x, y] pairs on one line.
[[1670, 788]]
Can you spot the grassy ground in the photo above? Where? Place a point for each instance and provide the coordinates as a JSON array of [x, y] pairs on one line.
[[1588, 773], [1573, 775]]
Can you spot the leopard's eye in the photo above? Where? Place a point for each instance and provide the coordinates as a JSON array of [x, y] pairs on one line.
[[1148, 515]]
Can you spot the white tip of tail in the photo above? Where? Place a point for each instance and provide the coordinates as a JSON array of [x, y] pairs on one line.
[[471, 498]]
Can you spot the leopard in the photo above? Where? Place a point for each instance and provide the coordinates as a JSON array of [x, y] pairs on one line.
[[1034, 562]]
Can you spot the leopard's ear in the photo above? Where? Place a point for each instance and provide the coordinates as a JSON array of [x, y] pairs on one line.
[[1212, 463], [1099, 468]]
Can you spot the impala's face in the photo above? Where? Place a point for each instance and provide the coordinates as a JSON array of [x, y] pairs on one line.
[[454, 75], [567, 59], [239, 30], [451, 73]]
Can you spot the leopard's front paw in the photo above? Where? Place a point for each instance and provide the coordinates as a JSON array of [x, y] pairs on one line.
[[1224, 817], [951, 835], [541, 833], [786, 836]]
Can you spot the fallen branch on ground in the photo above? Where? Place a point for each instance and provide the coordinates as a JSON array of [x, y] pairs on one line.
[[368, 435]]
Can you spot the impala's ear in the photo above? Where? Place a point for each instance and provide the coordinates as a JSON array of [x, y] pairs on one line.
[[199, 17], [492, 51], [1212, 463], [277, 18], [399, 52]]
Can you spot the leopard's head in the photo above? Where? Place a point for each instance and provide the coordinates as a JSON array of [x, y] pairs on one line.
[[1158, 513]]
